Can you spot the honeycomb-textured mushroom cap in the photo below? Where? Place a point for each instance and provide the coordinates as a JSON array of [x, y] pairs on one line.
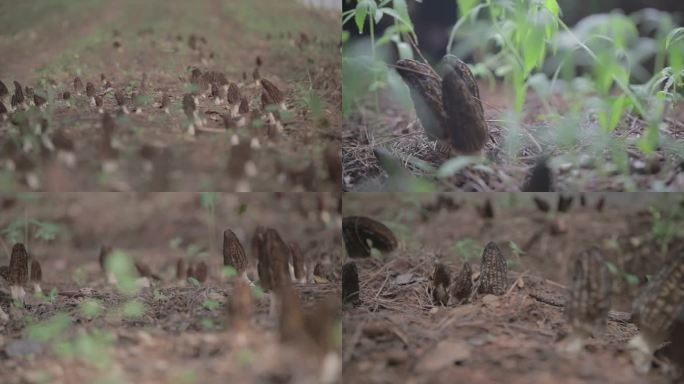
[[462, 284], [90, 89], [78, 84], [201, 272], [590, 293], [233, 93], [36, 272], [233, 253], [361, 233], [441, 280], [244, 106], [18, 267], [278, 254], [275, 94], [657, 307], [493, 271]]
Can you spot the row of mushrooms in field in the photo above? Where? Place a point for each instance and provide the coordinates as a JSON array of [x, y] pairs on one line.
[[657, 310], [278, 265], [18, 274]]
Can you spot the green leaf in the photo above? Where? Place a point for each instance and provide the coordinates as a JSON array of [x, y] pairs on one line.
[[257, 292], [133, 309], [91, 308], [631, 279], [208, 199], [228, 271], [464, 6], [612, 268], [552, 5], [121, 266], [210, 304], [242, 209], [175, 242], [194, 282], [455, 165], [48, 329], [362, 9]]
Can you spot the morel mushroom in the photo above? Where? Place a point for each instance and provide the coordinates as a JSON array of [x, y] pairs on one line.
[[201, 272], [462, 286], [278, 254], [587, 307], [36, 276], [78, 85], [655, 312], [18, 271], [493, 278], [362, 233], [441, 280], [275, 95], [234, 254]]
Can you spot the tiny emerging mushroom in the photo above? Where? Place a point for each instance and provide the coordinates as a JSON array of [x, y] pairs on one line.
[[165, 103], [78, 85], [234, 98]]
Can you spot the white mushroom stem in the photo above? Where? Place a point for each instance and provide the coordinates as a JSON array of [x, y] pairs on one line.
[[17, 292], [331, 367], [641, 351], [37, 288], [111, 279]]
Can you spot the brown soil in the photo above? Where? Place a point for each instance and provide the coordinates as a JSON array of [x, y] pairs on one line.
[[300, 55], [178, 338], [397, 335]]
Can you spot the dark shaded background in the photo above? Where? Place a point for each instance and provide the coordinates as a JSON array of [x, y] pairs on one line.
[[433, 19]]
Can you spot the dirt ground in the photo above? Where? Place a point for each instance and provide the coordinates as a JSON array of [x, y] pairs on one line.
[[581, 167], [47, 44], [183, 333], [397, 335]]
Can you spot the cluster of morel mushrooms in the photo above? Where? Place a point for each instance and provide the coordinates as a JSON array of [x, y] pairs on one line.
[[586, 307], [279, 264], [256, 104]]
